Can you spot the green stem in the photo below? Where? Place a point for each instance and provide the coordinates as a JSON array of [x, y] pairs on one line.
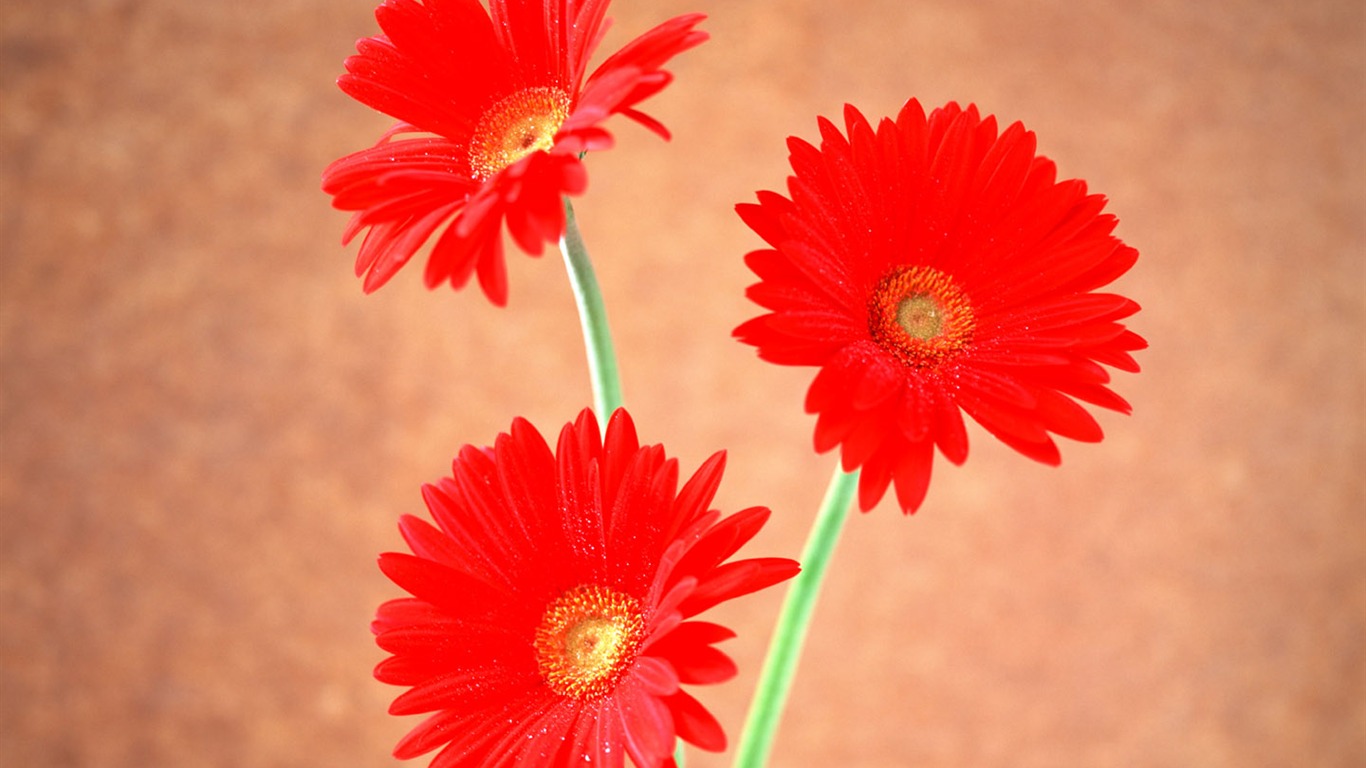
[[775, 680], [597, 337]]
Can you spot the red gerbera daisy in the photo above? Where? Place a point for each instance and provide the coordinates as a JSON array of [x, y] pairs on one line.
[[932, 266], [506, 114], [551, 618]]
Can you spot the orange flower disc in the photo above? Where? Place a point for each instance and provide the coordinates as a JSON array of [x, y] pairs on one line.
[[586, 640], [521, 123], [920, 315]]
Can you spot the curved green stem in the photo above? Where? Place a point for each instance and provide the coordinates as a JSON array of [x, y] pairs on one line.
[[597, 337], [775, 680]]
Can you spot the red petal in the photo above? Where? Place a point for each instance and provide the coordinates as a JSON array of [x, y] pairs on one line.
[[738, 578], [439, 585], [656, 676], [1063, 416], [873, 480], [695, 724], [705, 665], [647, 726], [949, 431], [721, 541], [688, 649], [911, 474], [879, 380], [696, 495]]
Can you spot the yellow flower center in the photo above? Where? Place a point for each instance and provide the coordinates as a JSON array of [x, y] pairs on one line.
[[519, 124], [920, 315], [586, 639]]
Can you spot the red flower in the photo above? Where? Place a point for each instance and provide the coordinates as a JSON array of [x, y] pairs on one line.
[[933, 266], [551, 618], [505, 112]]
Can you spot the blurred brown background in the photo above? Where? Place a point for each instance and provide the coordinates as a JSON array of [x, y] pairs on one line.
[[208, 432]]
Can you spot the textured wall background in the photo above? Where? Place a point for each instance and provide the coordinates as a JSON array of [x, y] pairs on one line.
[[207, 432]]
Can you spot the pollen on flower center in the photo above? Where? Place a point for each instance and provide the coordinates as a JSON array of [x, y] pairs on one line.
[[521, 123], [586, 639], [920, 315]]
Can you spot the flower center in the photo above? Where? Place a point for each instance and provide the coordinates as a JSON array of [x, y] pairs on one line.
[[587, 638], [519, 124], [920, 315]]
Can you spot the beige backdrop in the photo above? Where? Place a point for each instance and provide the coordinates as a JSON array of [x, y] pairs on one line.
[[208, 432]]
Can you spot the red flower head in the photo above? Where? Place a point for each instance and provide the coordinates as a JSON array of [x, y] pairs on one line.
[[504, 111], [551, 618], [933, 266]]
